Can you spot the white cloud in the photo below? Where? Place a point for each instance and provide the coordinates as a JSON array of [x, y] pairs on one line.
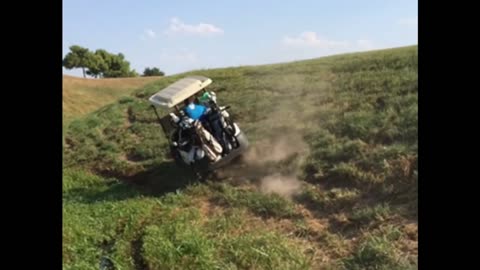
[[201, 29], [311, 39], [408, 22], [148, 34], [309, 44], [316, 43]]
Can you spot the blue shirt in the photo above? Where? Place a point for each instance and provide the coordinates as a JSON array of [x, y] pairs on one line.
[[195, 111]]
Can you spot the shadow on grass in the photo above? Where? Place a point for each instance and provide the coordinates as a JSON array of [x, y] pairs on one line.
[[164, 178]]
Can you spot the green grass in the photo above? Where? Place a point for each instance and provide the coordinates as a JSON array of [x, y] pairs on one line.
[[82, 96], [265, 205], [104, 219], [125, 200], [378, 213], [378, 252]]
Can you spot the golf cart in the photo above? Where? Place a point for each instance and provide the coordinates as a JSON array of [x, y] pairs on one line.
[[207, 143]]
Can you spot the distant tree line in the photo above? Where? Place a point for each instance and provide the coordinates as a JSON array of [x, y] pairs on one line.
[[102, 64], [153, 72]]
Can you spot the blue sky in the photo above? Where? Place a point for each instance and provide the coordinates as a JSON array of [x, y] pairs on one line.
[[178, 36]]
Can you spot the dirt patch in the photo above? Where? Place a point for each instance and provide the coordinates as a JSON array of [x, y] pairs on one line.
[[286, 186], [409, 244], [315, 226], [129, 158], [69, 144], [130, 115], [207, 208], [138, 259], [411, 230]]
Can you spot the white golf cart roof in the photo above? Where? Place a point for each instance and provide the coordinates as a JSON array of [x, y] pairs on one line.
[[179, 91]]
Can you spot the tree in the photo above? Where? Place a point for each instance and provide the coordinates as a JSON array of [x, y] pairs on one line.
[[78, 57], [133, 73], [118, 67], [153, 72], [96, 65], [99, 64]]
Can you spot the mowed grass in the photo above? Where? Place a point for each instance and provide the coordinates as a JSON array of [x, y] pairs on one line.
[[106, 221], [126, 202], [82, 96]]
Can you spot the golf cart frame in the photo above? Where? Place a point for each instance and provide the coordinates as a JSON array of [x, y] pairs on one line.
[[172, 99]]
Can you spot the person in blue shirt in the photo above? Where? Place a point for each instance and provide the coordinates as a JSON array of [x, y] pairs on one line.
[[195, 111], [199, 112]]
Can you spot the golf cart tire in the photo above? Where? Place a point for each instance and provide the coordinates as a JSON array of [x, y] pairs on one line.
[[243, 141]]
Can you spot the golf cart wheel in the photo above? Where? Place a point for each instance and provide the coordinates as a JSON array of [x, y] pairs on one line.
[[230, 139], [242, 141], [230, 125]]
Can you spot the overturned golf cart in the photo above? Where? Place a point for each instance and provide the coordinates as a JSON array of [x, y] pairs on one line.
[[201, 133]]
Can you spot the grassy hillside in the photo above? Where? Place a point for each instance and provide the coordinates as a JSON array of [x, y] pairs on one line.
[[81, 96], [330, 181]]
